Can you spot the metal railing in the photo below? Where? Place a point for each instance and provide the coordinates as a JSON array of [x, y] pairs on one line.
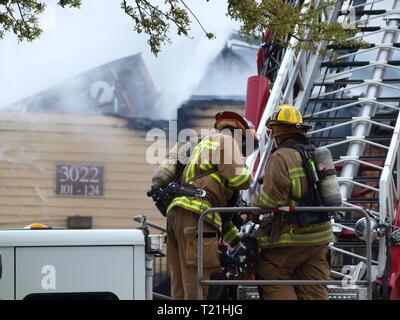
[[256, 210], [151, 224]]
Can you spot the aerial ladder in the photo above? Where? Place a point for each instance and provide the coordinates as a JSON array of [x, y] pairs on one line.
[[353, 101]]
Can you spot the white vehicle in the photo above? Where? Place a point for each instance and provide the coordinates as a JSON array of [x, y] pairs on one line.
[[52, 264]]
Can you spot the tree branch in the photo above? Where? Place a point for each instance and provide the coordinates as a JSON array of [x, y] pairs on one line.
[[208, 34], [23, 19]]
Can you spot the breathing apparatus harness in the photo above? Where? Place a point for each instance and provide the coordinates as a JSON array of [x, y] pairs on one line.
[[164, 196], [312, 196]]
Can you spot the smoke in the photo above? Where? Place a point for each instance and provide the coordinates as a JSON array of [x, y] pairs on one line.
[[76, 40], [228, 76]]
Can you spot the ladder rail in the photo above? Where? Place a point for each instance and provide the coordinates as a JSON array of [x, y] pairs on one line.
[[300, 71], [388, 194], [368, 107], [303, 66]]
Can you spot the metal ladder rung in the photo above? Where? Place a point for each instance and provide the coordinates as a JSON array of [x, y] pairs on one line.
[[365, 186], [361, 178], [363, 200], [348, 72], [365, 46], [356, 139], [343, 119], [349, 100], [352, 122], [357, 63], [376, 166], [361, 12], [341, 90], [372, 28], [361, 158], [355, 103], [351, 244], [353, 81], [351, 254], [334, 138], [352, 205]]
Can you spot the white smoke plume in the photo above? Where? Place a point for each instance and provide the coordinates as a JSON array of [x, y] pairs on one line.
[[76, 40]]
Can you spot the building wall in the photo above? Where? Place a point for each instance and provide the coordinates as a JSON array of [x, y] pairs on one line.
[[200, 115], [32, 144]]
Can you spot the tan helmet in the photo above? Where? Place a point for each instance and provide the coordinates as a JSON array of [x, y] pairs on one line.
[[287, 119]]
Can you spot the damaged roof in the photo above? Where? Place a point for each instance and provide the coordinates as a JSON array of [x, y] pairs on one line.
[[123, 86]]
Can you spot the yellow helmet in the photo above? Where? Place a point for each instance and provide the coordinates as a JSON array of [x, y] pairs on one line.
[[286, 114], [37, 226]]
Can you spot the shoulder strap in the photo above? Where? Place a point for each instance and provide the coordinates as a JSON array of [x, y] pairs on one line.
[[203, 174], [306, 152]]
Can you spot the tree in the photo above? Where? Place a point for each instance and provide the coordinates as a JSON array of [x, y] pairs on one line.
[[300, 19]]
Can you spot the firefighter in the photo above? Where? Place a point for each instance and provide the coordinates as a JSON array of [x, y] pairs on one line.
[[293, 246], [217, 166]]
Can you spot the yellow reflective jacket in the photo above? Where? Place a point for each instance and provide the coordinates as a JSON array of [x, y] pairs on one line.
[[284, 177], [220, 152]]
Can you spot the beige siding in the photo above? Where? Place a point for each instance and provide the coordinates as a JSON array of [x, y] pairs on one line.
[[32, 144], [204, 119]]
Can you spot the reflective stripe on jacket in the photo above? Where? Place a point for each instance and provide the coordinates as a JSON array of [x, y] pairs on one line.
[[219, 151], [285, 177], [291, 238]]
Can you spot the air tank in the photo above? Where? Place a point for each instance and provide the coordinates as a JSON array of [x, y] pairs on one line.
[[328, 184], [168, 168]]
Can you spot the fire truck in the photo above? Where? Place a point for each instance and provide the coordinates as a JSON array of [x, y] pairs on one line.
[[43, 263], [353, 103]]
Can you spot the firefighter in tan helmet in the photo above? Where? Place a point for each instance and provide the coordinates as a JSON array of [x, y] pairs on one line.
[[294, 245], [217, 166]]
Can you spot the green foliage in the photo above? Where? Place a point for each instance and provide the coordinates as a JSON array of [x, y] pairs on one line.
[[21, 17], [301, 21], [70, 3], [155, 21]]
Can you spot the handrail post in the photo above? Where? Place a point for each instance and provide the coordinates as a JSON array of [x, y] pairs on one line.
[[200, 254]]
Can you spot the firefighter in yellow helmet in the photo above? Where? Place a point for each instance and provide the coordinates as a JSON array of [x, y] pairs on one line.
[[217, 166], [293, 246]]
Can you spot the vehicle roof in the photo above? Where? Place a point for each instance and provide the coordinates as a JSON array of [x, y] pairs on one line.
[[68, 237]]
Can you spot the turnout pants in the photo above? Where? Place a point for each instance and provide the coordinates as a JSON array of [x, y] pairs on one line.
[[294, 263], [182, 253]]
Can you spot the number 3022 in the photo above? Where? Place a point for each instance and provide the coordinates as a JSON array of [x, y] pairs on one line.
[[85, 174]]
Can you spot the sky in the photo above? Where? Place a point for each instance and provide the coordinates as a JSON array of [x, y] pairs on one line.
[[76, 40]]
